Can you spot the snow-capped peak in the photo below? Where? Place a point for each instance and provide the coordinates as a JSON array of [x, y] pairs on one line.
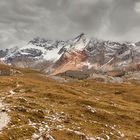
[[79, 43]]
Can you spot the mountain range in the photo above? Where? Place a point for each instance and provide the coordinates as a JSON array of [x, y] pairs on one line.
[[78, 54], [79, 89]]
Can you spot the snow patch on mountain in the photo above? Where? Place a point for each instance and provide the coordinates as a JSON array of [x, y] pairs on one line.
[[52, 55]]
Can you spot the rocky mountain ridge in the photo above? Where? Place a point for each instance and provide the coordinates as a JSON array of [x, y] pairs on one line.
[[78, 54]]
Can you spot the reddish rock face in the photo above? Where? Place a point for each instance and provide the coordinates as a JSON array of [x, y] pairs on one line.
[[71, 61], [133, 67]]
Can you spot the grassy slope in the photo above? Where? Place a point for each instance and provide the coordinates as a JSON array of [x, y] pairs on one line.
[[70, 110]]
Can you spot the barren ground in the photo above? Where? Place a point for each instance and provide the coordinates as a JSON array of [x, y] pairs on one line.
[[42, 108]]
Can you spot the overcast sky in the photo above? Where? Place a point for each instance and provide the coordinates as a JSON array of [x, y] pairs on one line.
[[22, 20]]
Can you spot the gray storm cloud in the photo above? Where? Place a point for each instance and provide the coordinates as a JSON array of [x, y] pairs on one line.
[[21, 20]]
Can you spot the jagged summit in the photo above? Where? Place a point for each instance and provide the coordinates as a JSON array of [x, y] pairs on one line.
[[82, 35]]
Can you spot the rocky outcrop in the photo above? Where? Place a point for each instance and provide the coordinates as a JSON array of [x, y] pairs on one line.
[[7, 70]]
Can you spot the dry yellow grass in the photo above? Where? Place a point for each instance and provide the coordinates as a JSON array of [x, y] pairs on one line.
[[71, 110]]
